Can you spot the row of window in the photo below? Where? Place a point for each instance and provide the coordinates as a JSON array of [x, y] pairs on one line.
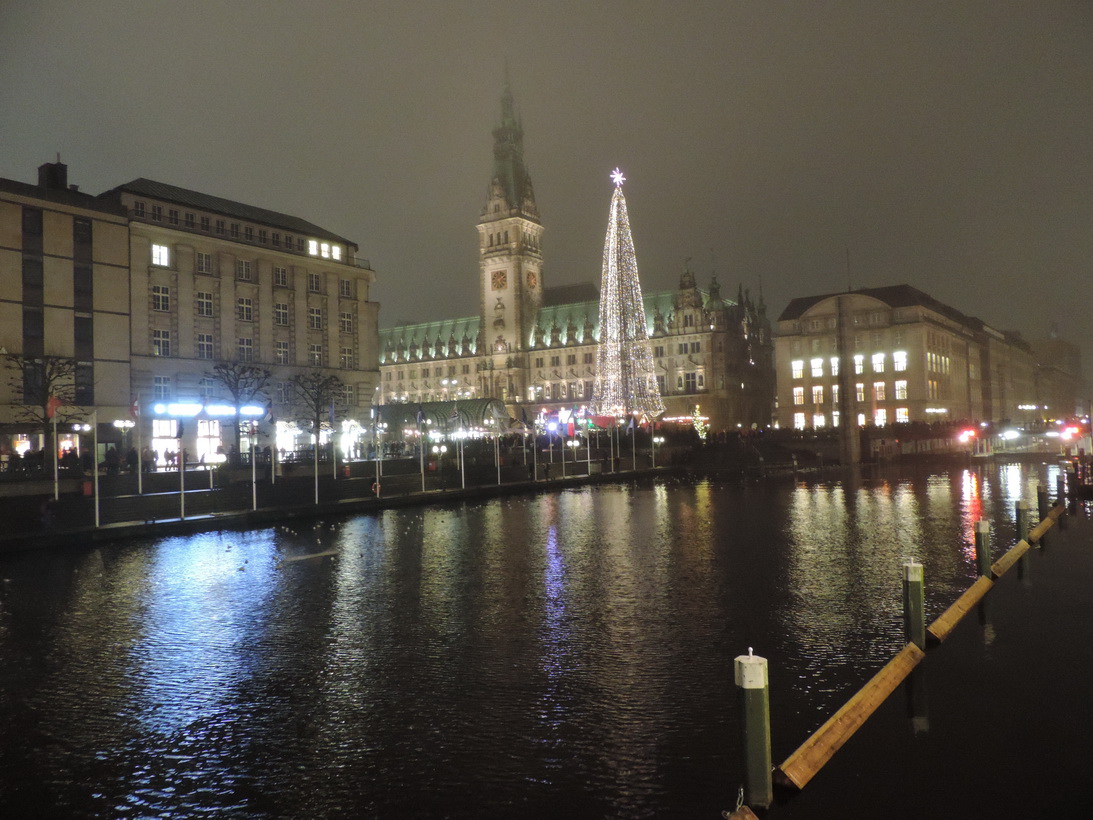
[[571, 358], [816, 366], [282, 350], [244, 271], [244, 310], [880, 418], [880, 393], [236, 230], [819, 345]]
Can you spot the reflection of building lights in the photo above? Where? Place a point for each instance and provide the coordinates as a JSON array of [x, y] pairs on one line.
[[965, 436], [1010, 435]]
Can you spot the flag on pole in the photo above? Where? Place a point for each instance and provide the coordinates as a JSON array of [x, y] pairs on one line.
[[455, 412], [524, 416], [51, 406], [630, 426], [420, 414], [134, 407]]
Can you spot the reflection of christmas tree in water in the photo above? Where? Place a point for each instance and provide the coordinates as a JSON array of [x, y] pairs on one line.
[[625, 381]]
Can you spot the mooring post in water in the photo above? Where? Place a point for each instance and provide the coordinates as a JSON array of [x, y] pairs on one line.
[[914, 610], [1022, 535], [1060, 496], [1043, 508], [751, 680], [983, 547]]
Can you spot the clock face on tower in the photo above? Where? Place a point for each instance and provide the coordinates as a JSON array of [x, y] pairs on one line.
[[500, 279], [533, 279]]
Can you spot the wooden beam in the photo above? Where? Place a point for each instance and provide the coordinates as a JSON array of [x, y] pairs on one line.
[[802, 765], [941, 628]]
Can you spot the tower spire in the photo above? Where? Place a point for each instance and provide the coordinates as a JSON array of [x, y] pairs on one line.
[[510, 174]]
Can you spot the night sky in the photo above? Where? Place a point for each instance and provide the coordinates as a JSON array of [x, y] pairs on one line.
[[945, 145]]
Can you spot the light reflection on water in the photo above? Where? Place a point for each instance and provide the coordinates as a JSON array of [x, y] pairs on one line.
[[506, 657]]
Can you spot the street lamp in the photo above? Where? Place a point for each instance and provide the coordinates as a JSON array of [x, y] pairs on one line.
[[656, 440]]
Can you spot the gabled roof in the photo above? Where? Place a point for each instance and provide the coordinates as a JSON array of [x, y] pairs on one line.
[[206, 202], [895, 296]]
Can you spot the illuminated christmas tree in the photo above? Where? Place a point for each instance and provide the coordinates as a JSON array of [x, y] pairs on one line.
[[625, 381]]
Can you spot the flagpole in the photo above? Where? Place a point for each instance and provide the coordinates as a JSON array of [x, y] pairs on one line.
[[497, 454], [253, 469], [535, 454], [315, 454], [181, 459], [633, 445], [140, 450], [423, 440], [56, 477], [95, 460]]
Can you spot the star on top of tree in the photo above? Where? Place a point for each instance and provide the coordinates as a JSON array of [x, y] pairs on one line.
[[618, 178]]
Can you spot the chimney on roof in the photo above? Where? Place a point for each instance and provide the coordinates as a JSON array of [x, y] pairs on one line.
[[53, 175]]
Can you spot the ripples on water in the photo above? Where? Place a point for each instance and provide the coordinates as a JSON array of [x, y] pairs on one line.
[[569, 653]]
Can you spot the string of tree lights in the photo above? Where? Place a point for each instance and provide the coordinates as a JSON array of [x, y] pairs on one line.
[[625, 380]]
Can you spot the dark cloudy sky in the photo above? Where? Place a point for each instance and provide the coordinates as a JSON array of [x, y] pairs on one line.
[[946, 144]]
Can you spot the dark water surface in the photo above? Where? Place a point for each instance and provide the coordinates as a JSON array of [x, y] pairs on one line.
[[568, 654]]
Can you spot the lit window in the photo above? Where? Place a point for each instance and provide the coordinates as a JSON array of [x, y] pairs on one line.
[[324, 250], [834, 398], [204, 303], [859, 392], [835, 418], [798, 395], [313, 247], [817, 368], [834, 365], [280, 352], [902, 415], [161, 255], [901, 389], [246, 349], [819, 420], [204, 345], [315, 318], [798, 367], [859, 364], [798, 421], [161, 297], [280, 313], [878, 362], [161, 343], [899, 361], [336, 252], [244, 309], [878, 391], [817, 394], [880, 417]]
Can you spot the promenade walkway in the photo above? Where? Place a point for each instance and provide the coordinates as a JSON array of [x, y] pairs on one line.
[[1002, 719]]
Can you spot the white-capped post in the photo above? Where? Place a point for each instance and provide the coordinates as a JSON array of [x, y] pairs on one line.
[[752, 682], [983, 547], [914, 615]]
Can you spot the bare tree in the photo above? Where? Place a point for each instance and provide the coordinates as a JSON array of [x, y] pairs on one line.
[[318, 398], [43, 386], [244, 383]]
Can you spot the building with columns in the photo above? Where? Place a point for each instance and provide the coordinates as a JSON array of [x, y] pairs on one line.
[[534, 347]]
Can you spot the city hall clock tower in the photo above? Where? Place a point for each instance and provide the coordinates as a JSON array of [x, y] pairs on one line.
[[510, 263]]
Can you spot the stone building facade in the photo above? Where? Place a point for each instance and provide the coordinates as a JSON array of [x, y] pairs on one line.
[[534, 347]]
